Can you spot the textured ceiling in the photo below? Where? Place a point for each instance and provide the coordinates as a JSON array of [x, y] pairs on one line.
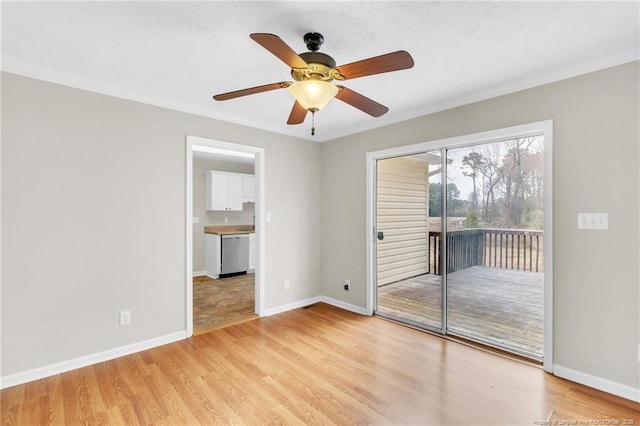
[[179, 54]]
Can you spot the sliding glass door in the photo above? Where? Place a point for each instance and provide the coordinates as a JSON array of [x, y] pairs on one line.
[[409, 282], [460, 242], [495, 271]]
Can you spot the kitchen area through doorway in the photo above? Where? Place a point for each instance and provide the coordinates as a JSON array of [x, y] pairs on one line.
[[224, 243]]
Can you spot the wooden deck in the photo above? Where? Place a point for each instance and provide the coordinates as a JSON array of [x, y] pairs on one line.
[[499, 306]]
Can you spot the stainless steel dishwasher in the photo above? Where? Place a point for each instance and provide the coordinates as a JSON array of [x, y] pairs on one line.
[[234, 254]]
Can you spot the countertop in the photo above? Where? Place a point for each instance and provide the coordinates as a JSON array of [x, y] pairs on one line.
[[229, 229]]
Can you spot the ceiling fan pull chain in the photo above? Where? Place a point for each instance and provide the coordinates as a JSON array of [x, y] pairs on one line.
[[313, 123]]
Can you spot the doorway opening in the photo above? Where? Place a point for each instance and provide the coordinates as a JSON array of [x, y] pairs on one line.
[[458, 238], [214, 298]]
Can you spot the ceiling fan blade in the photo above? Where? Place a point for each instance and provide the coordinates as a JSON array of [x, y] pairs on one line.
[[361, 102], [393, 61], [298, 114], [275, 45], [251, 91]]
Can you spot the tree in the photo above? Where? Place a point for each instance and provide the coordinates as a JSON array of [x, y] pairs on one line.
[[507, 181], [491, 178], [454, 203], [515, 176], [472, 163]]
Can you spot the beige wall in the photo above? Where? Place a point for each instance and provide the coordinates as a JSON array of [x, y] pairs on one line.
[[596, 137], [93, 220], [93, 191], [244, 217]]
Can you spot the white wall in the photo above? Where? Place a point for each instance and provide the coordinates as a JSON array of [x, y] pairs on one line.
[[205, 217], [93, 220], [596, 276]]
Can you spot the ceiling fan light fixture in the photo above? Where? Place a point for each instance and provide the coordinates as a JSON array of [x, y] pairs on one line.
[[313, 95]]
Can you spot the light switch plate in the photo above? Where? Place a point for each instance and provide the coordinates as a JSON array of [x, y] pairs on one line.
[[125, 317], [598, 221], [196, 219], [268, 217]]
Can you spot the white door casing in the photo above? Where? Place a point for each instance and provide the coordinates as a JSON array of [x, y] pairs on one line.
[[259, 163]]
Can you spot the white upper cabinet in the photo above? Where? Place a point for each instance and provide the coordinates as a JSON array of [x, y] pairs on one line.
[[226, 191], [217, 191], [234, 195], [249, 188]]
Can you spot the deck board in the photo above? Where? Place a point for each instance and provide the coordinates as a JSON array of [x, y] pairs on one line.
[[499, 306]]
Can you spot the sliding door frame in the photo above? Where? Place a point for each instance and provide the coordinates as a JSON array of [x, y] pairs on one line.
[[544, 128]]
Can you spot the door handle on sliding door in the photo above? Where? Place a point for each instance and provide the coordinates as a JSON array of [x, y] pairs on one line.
[[380, 235]]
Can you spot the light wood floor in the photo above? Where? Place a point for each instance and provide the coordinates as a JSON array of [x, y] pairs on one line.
[[222, 302], [320, 365], [499, 306]]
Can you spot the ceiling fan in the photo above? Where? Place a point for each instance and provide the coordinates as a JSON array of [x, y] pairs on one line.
[[313, 72]]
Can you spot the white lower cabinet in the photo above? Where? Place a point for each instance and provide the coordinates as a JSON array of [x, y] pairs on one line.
[[212, 253], [252, 252]]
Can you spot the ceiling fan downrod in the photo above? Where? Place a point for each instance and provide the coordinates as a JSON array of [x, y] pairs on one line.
[[313, 41]]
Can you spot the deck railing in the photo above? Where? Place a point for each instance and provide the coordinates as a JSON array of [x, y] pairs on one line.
[[520, 250]]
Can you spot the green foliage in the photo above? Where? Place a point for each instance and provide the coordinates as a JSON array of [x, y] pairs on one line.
[[472, 220], [455, 205], [534, 219]]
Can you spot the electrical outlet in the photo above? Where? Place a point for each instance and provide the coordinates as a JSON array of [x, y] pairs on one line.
[[226, 220], [286, 284], [125, 317], [196, 219], [347, 285]]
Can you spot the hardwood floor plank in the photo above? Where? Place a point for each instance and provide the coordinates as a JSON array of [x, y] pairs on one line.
[[299, 356], [114, 390], [261, 374], [187, 379], [320, 365], [179, 412], [147, 407], [12, 396], [55, 400]]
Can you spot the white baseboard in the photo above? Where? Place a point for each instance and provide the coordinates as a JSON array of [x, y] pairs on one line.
[[290, 306], [344, 305], [306, 302], [199, 273], [596, 382], [83, 361]]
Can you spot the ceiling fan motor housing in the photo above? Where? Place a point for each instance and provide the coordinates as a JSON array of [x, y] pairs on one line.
[[320, 66]]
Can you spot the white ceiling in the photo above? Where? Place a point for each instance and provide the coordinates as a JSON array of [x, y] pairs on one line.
[[179, 54]]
